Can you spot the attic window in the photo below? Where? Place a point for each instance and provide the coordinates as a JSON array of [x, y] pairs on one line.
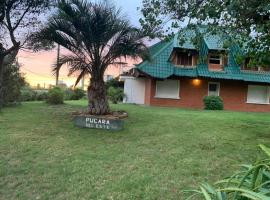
[[182, 58], [215, 59]]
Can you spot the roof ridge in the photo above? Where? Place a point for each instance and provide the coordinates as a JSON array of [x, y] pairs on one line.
[[165, 46]]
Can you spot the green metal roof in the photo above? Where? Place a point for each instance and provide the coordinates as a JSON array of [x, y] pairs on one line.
[[160, 67], [214, 42]]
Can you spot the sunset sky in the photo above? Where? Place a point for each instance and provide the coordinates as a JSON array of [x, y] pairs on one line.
[[37, 67]]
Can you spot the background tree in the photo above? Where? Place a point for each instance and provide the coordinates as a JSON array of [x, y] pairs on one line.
[[247, 21], [13, 82], [96, 35], [18, 18]]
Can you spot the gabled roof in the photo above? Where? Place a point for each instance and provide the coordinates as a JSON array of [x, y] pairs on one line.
[[214, 42], [160, 67]]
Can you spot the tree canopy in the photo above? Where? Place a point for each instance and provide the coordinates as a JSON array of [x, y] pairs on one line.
[[248, 22], [18, 19]]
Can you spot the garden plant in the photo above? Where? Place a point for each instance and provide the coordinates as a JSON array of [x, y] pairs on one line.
[[252, 182]]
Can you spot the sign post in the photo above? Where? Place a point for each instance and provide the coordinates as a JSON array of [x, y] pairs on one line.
[[98, 123]]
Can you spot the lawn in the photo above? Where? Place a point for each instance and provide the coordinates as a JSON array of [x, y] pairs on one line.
[[161, 152]]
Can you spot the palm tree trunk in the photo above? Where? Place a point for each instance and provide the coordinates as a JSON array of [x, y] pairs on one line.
[[97, 97], [1, 81]]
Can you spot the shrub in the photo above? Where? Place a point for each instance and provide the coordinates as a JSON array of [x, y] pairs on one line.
[[42, 96], [28, 94], [75, 94], [78, 94], [55, 96], [213, 103], [115, 95], [114, 83], [251, 183], [68, 94]]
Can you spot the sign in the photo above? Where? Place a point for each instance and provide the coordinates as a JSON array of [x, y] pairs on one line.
[[98, 123]]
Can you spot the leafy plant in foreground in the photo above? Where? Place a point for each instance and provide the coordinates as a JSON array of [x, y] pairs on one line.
[[251, 183]]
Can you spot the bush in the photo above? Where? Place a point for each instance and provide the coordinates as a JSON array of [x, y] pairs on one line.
[[114, 83], [55, 96], [68, 94], [79, 93], [43, 96], [213, 103], [75, 94], [115, 95], [28, 94]]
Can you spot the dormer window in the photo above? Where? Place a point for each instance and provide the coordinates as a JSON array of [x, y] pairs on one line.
[[184, 59], [215, 59]]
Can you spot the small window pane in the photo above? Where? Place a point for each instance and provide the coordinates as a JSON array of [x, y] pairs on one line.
[[213, 89], [214, 59]]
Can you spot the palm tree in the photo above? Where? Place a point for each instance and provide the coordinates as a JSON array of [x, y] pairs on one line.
[[96, 36]]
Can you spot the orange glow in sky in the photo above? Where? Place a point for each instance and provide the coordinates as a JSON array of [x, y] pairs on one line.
[[37, 68]]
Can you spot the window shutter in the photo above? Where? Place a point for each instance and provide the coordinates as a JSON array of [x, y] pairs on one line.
[[167, 89], [258, 94]]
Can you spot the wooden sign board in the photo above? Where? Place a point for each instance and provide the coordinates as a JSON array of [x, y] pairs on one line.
[[98, 123]]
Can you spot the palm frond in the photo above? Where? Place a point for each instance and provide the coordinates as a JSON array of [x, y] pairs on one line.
[[82, 74], [74, 64], [95, 34]]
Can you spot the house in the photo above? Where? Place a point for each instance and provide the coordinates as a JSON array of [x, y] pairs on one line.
[[179, 75]]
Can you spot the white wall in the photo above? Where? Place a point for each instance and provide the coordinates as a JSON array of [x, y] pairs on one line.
[[134, 90]]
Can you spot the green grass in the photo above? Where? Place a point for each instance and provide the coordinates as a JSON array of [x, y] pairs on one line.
[[161, 152]]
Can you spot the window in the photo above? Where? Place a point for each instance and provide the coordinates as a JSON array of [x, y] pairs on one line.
[[167, 89], [183, 58], [215, 59], [213, 89], [258, 94]]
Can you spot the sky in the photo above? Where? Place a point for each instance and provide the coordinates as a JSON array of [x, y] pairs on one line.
[[37, 67]]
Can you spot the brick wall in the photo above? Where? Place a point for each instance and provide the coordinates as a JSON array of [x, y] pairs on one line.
[[215, 67], [234, 94]]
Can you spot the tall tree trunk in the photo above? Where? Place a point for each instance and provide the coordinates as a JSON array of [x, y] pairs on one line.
[[97, 97], [1, 81]]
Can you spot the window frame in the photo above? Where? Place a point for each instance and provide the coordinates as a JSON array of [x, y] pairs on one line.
[[178, 55], [218, 88], [219, 59], [260, 103], [162, 97]]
